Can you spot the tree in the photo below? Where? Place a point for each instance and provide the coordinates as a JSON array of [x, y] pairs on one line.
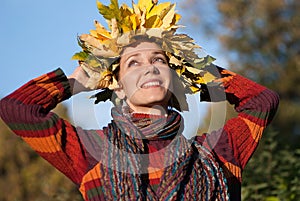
[[261, 40], [26, 176], [273, 174], [264, 38]]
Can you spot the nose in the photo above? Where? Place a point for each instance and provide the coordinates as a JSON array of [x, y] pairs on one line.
[[151, 69]]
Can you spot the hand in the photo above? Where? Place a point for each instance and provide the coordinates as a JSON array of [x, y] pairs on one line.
[[84, 79], [226, 76], [215, 91]]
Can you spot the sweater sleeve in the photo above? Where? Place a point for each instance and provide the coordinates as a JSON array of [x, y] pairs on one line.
[[27, 112], [235, 143]]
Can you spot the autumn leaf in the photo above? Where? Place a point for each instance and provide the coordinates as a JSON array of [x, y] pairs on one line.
[[145, 5], [100, 32], [101, 48], [158, 9], [111, 11], [80, 56], [203, 62], [207, 77], [168, 19], [104, 95], [104, 11], [194, 89]]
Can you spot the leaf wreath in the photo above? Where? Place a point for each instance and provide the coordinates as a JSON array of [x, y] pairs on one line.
[[101, 48]]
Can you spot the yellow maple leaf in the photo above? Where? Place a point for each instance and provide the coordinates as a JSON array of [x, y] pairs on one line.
[[168, 18], [100, 32], [145, 5], [136, 10], [203, 77], [143, 21], [114, 28], [135, 22], [93, 63], [92, 41], [176, 19], [174, 60], [208, 77], [126, 10], [125, 27], [158, 9], [153, 22], [194, 89], [155, 32], [165, 11], [193, 70]]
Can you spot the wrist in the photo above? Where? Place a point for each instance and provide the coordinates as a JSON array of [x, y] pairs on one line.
[[75, 86]]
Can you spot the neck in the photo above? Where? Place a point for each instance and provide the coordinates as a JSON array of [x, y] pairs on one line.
[[154, 110]]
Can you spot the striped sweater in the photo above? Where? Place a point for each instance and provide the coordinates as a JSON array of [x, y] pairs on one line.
[[27, 111]]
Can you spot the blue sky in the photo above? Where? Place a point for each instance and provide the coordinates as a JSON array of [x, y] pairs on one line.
[[40, 36]]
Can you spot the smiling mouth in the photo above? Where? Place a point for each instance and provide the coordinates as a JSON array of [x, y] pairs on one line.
[[151, 84]]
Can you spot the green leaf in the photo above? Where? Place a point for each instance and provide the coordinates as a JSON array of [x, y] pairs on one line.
[[114, 7], [203, 62], [81, 56], [111, 11], [272, 198], [104, 10]]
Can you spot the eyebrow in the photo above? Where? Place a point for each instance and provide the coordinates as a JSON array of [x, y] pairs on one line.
[[153, 53]]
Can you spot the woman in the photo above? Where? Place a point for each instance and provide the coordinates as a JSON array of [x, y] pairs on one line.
[[142, 154]]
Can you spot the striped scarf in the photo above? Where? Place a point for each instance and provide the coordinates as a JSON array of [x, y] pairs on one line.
[[190, 171]]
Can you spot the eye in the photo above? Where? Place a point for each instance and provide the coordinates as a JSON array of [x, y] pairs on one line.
[[159, 59], [133, 63]]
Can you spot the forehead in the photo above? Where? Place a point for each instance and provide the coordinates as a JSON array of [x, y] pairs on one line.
[[143, 47]]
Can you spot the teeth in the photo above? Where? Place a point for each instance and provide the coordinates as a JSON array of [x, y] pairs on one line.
[[151, 84]]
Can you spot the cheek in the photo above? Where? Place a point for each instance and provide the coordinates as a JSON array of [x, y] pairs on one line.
[[167, 75], [128, 83]]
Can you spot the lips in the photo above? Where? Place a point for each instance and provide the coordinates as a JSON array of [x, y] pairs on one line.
[[151, 83]]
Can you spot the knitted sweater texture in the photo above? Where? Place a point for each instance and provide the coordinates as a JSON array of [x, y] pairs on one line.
[[27, 111]]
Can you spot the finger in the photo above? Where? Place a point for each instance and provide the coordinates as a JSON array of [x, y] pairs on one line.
[[91, 72], [227, 72]]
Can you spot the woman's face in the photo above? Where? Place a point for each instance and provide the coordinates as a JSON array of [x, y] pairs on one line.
[[145, 78]]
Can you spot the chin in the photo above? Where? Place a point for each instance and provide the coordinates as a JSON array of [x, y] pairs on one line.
[[156, 101], [150, 99], [154, 98]]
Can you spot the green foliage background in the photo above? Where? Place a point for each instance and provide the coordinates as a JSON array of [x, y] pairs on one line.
[[261, 40]]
